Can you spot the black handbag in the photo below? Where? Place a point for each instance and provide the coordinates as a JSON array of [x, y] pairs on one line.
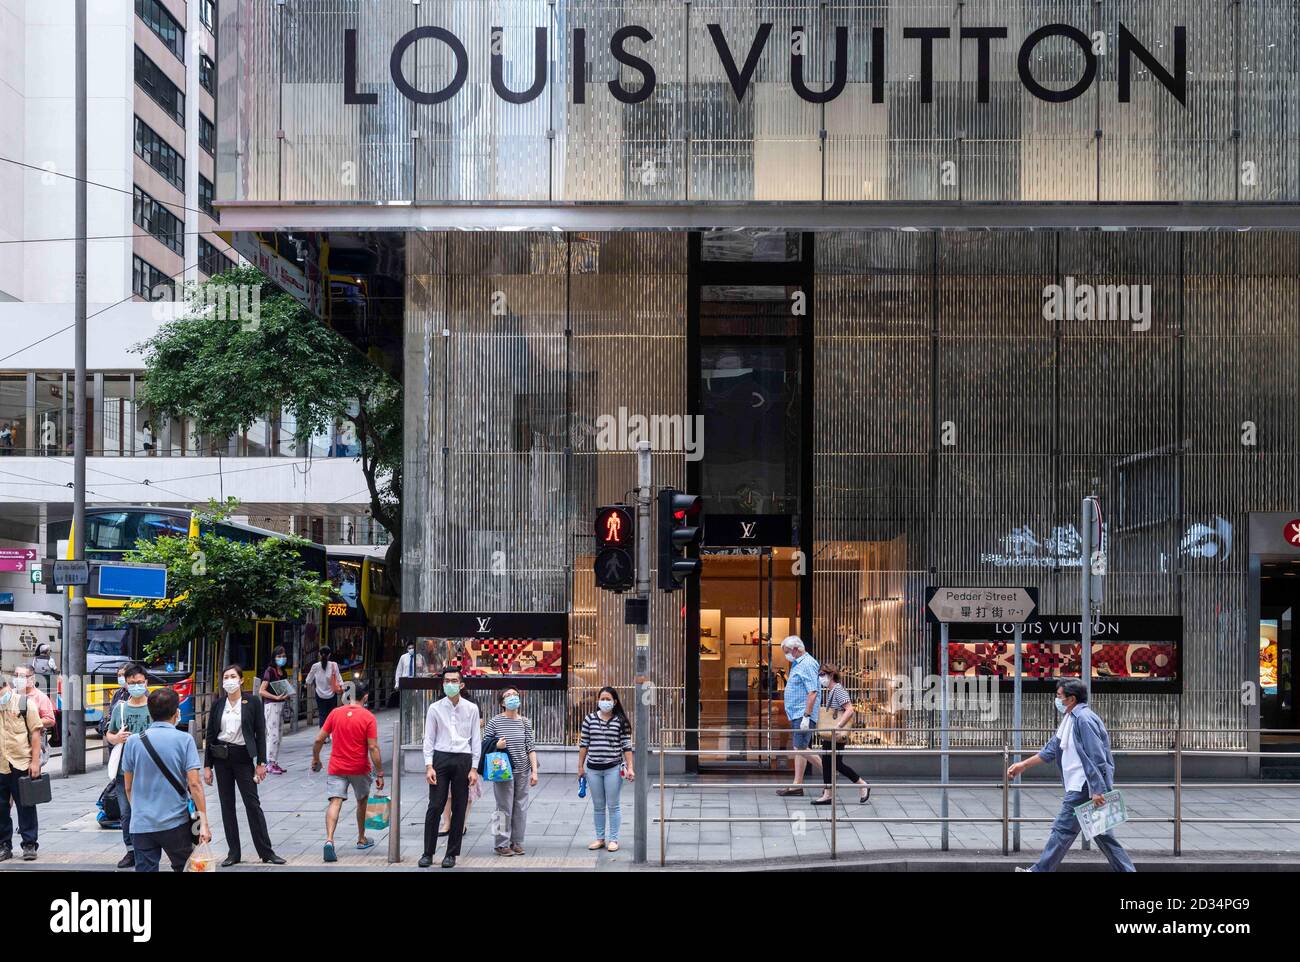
[[196, 822], [33, 791]]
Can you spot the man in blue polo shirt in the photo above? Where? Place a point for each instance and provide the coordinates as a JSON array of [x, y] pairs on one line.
[[801, 690], [160, 815]]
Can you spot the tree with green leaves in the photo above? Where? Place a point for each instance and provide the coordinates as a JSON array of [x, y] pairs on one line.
[[220, 587], [224, 370]]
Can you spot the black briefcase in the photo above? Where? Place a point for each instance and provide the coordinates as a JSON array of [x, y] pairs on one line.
[[33, 791]]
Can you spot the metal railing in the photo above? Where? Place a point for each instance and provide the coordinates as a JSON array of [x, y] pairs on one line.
[[1010, 820]]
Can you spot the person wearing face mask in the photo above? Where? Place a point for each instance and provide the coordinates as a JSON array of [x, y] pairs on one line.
[[512, 733], [274, 692], [128, 717], [835, 700], [119, 694], [409, 665], [605, 736], [451, 755], [236, 754], [20, 755], [1081, 746], [801, 691], [328, 681], [161, 767]]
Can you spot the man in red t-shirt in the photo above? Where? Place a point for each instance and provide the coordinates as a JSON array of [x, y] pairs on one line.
[[354, 750]]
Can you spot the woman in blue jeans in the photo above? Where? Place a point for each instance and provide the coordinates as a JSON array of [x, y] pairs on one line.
[[605, 743]]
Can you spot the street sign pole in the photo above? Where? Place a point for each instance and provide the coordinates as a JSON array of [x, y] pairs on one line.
[[943, 729], [643, 689], [1017, 735], [74, 746]]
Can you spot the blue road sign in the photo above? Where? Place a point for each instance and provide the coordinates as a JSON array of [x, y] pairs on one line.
[[129, 581]]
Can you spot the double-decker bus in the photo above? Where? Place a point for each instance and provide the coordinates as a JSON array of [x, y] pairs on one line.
[[110, 642]]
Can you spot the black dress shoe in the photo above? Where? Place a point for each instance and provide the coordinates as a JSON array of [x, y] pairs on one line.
[[449, 861], [273, 860], [127, 860], [425, 861], [230, 860]]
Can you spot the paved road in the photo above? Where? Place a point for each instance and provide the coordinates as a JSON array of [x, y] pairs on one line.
[[560, 823]]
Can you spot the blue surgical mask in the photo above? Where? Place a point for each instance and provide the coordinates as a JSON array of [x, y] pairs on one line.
[[606, 705], [1060, 706], [137, 691], [512, 703], [4, 699], [282, 661]]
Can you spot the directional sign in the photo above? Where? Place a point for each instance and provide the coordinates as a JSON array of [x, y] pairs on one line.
[[15, 559], [71, 573], [36, 574], [969, 605], [129, 580]]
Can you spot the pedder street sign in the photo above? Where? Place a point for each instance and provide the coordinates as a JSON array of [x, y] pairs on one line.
[[966, 605], [71, 573]]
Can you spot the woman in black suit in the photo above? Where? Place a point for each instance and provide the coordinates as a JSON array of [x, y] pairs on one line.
[[236, 751]]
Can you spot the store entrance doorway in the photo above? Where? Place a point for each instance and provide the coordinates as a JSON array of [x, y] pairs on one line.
[[749, 603], [1279, 620]]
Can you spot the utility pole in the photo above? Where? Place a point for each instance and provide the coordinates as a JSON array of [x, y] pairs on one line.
[[74, 707], [643, 696]]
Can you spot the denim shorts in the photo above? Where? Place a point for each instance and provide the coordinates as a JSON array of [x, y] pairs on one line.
[[803, 737]]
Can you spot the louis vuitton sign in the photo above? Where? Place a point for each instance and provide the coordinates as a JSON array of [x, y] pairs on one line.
[[633, 46]]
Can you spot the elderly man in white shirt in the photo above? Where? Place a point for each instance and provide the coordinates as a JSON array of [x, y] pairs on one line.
[[451, 754]]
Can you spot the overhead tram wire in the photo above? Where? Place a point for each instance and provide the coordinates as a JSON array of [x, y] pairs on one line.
[[92, 183]]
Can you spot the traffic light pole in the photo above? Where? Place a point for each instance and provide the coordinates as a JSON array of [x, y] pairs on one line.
[[643, 497]]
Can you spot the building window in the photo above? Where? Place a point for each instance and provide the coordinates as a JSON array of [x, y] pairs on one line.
[[208, 13], [159, 221], [159, 154], [145, 278], [206, 192], [164, 25], [207, 135], [211, 261], [207, 74], [154, 82]]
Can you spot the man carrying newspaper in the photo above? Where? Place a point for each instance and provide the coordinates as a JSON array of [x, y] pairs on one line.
[[1081, 746]]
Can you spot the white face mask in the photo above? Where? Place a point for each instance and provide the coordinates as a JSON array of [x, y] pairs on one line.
[[789, 656], [20, 682], [825, 680], [231, 685]]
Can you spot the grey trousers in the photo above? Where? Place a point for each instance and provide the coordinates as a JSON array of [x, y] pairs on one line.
[[510, 820]]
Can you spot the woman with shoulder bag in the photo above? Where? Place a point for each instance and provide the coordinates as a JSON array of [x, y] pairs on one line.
[[512, 733], [833, 721], [274, 694], [327, 678]]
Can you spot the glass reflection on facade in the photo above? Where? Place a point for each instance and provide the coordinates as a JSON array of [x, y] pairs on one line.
[[955, 429]]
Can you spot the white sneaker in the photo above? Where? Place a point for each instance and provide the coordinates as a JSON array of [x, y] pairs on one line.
[[1020, 869]]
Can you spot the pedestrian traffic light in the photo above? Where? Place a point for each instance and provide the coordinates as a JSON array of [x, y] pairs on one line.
[[679, 530], [616, 540]]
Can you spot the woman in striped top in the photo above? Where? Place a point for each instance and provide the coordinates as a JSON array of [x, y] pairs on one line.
[[606, 734], [835, 699], [514, 736]]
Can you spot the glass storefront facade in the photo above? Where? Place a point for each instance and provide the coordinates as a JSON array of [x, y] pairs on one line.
[[889, 409], [955, 429]]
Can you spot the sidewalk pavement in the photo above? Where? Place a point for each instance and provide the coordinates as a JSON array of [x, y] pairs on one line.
[[560, 825]]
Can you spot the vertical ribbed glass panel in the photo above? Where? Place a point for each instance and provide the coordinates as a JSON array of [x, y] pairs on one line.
[[1269, 101], [628, 316], [477, 145], [1016, 146], [544, 336], [608, 150], [333, 150], [1153, 146], [249, 87], [764, 146]]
